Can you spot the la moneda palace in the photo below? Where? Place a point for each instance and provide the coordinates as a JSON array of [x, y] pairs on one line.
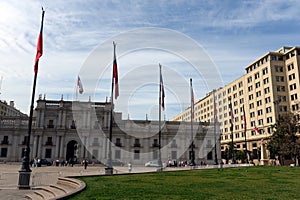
[[64, 130]]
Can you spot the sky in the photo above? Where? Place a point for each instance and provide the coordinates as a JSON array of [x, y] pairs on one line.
[[202, 40]]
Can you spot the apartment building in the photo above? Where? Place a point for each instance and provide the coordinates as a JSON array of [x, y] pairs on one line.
[[9, 109], [269, 87]]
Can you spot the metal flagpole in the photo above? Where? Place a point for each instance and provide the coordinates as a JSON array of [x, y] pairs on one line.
[[25, 172], [159, 121], [245, 133], [109, 167], [215, 122], [231, 129], [192, 116]]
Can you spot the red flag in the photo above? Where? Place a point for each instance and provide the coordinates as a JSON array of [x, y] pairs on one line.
[[79, 84], [162, 92], [255, 128], [115, 74], [39, 47]]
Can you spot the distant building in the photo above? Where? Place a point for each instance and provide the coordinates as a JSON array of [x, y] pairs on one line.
[[65, 130], [9, 109], [270, 87]]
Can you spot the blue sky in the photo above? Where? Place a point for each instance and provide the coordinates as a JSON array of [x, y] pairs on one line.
[[232, 33]]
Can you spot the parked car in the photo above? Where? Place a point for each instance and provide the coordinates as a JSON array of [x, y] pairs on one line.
[[117, 163], [43, 161], [153, 163]]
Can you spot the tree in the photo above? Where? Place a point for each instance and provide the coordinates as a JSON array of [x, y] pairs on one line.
[[284, 142]]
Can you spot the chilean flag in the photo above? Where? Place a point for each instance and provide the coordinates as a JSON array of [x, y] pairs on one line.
[[162, 92], [39, 47], [115, 74], [79, 84]]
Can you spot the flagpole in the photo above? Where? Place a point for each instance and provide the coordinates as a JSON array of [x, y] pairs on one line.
[[109, 167], [159, 121], [231, 128], [215, 121], [245, 134], [25, 172], [192, 116]]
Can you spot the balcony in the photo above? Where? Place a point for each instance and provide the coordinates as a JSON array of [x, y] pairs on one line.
[[4, 142], [49, 143], [155, 145], [50, 126], [136, 145], [118, 144]]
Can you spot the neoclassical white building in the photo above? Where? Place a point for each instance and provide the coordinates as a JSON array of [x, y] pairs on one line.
[[64, 130]]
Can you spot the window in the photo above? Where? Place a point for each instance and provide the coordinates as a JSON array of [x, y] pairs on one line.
[[260, 122], [251, 105], [278, 68], [241, 92], [269, 119], [5, 140], [250, 88], [256, 76], [240, 84], [280, 88], [209, 156], [241, 100], [250, 96], [48, 153], [290, 67], [279, 78], [259, 112], [155, 143], [118, 142], [268, 99], [257, 85], [267, 90], [265, 71], [136, 155], [294, 97], [252, 114], [258, 94], [234, 87], [137, 143], [293, 86], [259, 103], [50, 124], [269, 109], [266, 80], [292, 76], [3, 153], [49, 141], [249, 79]]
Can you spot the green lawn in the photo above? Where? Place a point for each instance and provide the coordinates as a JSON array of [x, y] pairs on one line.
[[239, 183]]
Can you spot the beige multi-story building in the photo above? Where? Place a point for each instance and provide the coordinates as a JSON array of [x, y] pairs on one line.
[[269, 88], [9, 109]]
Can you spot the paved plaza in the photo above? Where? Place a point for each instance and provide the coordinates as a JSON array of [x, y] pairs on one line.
[[45, 176]]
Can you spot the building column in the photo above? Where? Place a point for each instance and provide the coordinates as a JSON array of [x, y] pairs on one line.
[[35, 143], [61, 156], [57, 147], [39, 155]]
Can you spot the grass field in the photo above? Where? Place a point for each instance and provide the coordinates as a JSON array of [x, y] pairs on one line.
[[235, 183]]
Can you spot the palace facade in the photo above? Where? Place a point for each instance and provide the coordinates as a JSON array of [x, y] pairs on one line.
[[66, 130]]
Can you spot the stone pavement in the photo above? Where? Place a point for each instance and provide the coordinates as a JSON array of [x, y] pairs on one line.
[[45, 176]]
